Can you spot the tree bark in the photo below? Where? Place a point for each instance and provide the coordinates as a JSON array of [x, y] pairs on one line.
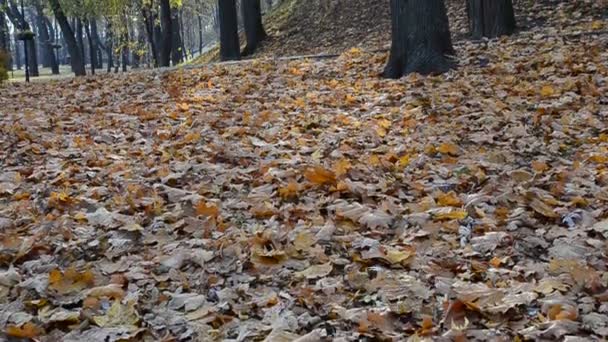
[[76, 58], [229, 37], [149, 20], [80, 40], [421, 40], [20, 23], [109, 46], [5, 43], [176, 41], [92, 46], [46, 41], [490, 18], [167, 34], [252, 21], [97, 49]]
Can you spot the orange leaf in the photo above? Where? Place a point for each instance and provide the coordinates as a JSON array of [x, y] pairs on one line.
[[539, 166], [320, 176], [71, 280], [547, 91], [289, 191], [448, 148], [28, 330], [426, 327], [342, 166], [207, 209]]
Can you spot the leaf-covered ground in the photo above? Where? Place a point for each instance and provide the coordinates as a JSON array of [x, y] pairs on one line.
[[312, 200]]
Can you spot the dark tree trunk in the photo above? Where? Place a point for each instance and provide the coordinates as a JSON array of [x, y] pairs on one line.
[[46, 39], [229, 36], [80, 40], [167, 34], [149, 26], [200, 34], [421, 39], [176, 44], [109, 47], [76, 58], [125, 51], [252, 21], [490, 18], [180, 20], [97, 49], [92, 47]]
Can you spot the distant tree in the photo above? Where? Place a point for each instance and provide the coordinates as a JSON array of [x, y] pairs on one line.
[[490, 18], [19, 21], [252, 21], [421, 39], [76, 57], [229, 37]]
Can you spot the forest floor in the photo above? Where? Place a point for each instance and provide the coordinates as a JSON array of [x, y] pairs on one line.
[[312, 200]]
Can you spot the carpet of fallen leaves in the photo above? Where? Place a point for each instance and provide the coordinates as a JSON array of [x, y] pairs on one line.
[[312, 200]]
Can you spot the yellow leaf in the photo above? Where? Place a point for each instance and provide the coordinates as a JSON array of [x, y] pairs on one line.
[[450, 215], [597, 25], [119, 315], [450, 199], [342, 166], [28, 330], [396, 256], [184, 107], [319, 176], [403, 162], [547, 91], [70, 281], [448, 148]]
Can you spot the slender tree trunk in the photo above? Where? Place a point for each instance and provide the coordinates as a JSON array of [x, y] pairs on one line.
[[109, 46], [229, 37], [80, 40], [491, 18], [180, 20], [149, 26], [5, 42], [92, 46], [176, 46], [252, 21], [421, 39], [76, 58], [97, 49], [200, 34], [49, 42], [167, 34]]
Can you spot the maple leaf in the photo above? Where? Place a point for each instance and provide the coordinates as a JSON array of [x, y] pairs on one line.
[[70, 281], [27, 330], [319, 175], [207, 209]]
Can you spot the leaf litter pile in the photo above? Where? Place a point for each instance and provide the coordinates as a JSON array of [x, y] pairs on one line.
[[312, 200]]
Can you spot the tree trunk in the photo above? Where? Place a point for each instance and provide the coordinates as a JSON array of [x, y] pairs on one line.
[[5, 43], [46, 41], [490, 18], [229, 36], [76, 58], [20, 23], [176, 44], [80, 40], [167, 34], [109, 46], [252, 21], [149, 26], [421, 39], [92, 46], [97, 49], [200, 34]]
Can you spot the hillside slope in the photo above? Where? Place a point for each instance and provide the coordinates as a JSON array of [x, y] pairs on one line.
[[301, 27]]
